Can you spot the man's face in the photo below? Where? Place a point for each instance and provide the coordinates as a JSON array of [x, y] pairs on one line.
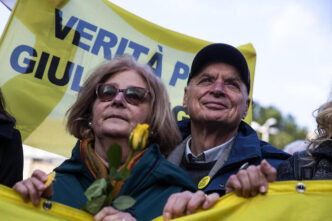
[[217, 95]]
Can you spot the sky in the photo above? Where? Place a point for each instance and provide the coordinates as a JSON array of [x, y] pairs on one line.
[[292, 39]]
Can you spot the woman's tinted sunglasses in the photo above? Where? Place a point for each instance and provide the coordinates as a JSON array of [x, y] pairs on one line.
[[133, 95]]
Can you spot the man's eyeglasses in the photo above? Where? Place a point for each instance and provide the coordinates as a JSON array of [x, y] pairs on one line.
[[133, 95]]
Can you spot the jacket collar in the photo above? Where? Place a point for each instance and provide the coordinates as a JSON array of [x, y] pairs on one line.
[[244, 147], [175, 156], [75, 165]]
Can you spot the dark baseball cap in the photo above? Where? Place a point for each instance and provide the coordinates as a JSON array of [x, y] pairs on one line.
[[220, 52]]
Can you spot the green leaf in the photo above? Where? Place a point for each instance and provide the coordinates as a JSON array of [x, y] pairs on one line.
[[123, 202], [114, 154], [125, 173], [114, 175], [96, 189], [95, 205]]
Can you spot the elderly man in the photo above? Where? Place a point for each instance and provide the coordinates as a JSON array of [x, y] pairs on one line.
[[218, 143]]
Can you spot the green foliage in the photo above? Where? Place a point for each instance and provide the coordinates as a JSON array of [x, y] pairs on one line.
[[101, 192], [114, 175], [125, 173], [96, 195], [96, 189], [123, 202], [94, 205], [289, 131]]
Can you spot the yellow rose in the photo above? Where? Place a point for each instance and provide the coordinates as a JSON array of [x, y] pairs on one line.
[[139, 137]]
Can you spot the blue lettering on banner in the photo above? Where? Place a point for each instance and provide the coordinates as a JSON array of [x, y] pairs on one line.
[[138, 49], [80, 33], [181, 71], [85, 31], [156, 62], [42, 64], [122, 46], [27, 53], [52, 72], [77, 78], [59, 32], [29, 64], [107, 40]]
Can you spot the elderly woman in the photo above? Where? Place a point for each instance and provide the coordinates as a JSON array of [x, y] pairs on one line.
[[112, 101]]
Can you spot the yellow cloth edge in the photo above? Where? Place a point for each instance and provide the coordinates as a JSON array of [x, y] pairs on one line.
[[274, 189], [57, 209]]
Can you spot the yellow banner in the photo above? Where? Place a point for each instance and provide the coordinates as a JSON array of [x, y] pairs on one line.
[[12, 207], [49, 47], [282, 202], [290, 200]]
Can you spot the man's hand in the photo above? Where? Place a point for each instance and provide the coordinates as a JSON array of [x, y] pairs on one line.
[[34, 187], [109, 213], [251, 181], [185, 203]]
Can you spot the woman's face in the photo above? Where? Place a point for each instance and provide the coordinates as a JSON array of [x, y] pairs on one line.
[[117, 118]]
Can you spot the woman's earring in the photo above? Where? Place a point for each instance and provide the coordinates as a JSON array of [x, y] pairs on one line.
[[90, 124]]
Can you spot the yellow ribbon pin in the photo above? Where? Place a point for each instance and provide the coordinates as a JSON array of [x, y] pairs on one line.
[[203, 182]]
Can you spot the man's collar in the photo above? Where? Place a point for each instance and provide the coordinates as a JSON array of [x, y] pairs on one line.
[[207, 156]]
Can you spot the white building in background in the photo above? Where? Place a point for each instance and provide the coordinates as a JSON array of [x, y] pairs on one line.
[[39, 159]]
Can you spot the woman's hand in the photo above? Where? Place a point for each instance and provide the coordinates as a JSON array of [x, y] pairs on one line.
[[109, 213], [185, 203], [33, 188], [251, 181]]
